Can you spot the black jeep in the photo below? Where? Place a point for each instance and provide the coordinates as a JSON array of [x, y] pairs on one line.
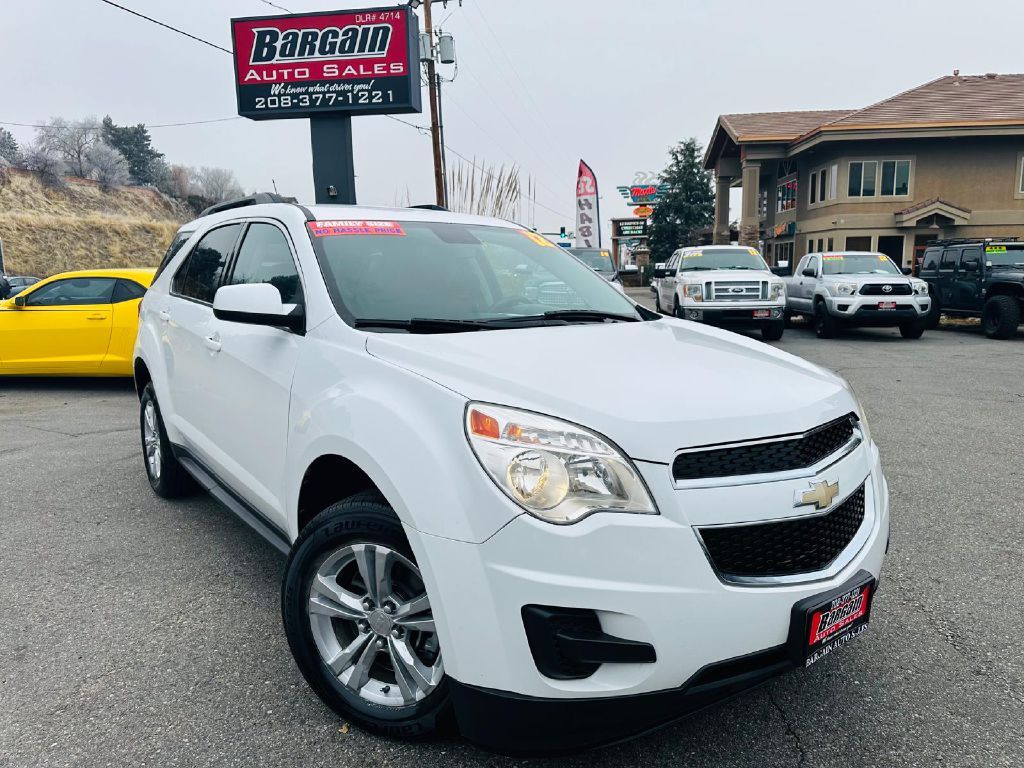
[[976, 278]]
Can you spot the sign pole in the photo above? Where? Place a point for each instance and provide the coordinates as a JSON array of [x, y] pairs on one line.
[[435, 128], [334, 174]]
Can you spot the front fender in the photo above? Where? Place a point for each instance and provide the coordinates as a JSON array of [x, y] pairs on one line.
[[403, 430]]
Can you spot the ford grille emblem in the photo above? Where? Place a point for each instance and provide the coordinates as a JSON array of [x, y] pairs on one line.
[[736, 290]]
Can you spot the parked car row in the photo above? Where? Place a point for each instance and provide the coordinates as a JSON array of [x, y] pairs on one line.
[[12, 285], [732, 286]]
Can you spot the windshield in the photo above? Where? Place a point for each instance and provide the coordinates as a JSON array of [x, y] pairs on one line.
[[1010, 255], [596, 259], [858, 264], [400, 271], [723, 258]]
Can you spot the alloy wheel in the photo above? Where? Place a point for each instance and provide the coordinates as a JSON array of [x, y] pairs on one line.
[[372, 624], [151, 440]]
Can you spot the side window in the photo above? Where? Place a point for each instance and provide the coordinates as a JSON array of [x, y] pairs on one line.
[[127, 290], [969, 254], [949, 258], [75, 291], [931, 260], [172, 250], [199, 277], [266, 258], [812, 263]]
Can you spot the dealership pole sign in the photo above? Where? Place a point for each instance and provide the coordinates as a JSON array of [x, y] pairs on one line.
[[328, 67]]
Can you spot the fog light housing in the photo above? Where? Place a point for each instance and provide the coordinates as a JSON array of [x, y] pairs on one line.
[[693, 314], [776, 313]]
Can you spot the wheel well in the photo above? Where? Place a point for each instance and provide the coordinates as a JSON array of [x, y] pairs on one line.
[[327, 480], [1006, 289], [142, 377]]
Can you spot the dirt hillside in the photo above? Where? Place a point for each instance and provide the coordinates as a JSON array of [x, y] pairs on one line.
[[46, 231]]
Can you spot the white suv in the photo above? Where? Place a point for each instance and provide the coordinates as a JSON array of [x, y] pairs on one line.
[[427, 412]]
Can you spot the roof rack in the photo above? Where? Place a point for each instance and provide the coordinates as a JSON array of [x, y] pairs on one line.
[[429, 207], [258, 198], [968, 240]]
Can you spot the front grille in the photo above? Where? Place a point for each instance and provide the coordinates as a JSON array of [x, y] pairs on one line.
[[797, 452], [878, 289], [557, 294], [746, 290], [785, 548]]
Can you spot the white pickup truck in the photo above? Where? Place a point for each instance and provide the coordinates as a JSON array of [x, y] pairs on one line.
[[856, 288], [725, 285]]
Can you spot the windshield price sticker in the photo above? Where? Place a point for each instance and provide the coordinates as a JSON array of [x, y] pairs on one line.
[[350, 227], [694, 255], [835, 258], [995, 249], [538, 239]]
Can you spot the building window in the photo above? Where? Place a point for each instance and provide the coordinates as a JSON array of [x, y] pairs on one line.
[[823, 185], [831, 244], [786, 196], [783, 253], [814, 187], [1020, 186], [833, 185], [864, 178]]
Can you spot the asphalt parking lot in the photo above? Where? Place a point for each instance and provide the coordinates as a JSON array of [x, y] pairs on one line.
[[137, 631]]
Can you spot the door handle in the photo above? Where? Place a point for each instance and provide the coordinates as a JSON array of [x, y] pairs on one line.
[[96, 316], [164, 315], [213, 343]]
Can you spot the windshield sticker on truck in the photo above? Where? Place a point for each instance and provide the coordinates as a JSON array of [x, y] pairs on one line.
[[995, 249], [538, 239], [334, 227], [753, 251], [694, 255], [827, 257]]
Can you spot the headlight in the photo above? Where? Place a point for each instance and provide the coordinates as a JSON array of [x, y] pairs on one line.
[[694, 291], [778, 291], [845, 289], [862, 417], [555, 470], [921, 289]]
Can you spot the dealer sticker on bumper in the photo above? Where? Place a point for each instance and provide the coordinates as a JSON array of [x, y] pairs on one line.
[[825, 623]]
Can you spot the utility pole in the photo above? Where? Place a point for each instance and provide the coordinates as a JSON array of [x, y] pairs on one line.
[[435, 126]]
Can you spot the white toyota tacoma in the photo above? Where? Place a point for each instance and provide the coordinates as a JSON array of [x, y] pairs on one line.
[[725, 285], [478, 528], [857, 288]]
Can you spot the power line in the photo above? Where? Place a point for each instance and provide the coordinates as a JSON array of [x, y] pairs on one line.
[[44, 127], [166, 26], [274, 5]]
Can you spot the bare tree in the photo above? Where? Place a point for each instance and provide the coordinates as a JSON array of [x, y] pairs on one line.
[[72, 141], [217, 184], [183, 181], [107, 166], [40, 158]]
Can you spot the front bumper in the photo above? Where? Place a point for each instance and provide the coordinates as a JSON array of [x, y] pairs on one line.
[[735, 314], [648, 580], [864, 311]]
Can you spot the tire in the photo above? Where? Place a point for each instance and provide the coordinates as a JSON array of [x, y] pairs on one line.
[[825, 325], [787, 318], [676, 311], [914, 329], [167, 477], [657, 304], [1000, 317], [931, 320], [350, 537], [773, 331]]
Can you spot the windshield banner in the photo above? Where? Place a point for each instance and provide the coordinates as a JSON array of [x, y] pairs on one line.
[[588, 217]]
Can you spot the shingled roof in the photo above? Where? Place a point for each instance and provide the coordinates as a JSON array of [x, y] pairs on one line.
[[955, 100], [781, 126]]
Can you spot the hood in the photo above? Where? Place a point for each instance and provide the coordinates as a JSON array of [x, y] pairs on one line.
[[702, 276], [651, 387]]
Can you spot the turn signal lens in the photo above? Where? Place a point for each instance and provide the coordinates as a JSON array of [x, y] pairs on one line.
[[483, 425]]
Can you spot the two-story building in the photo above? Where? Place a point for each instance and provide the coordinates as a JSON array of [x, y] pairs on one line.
[[945, 159]]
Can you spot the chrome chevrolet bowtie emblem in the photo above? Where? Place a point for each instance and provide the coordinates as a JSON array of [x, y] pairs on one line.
[[820, 495]]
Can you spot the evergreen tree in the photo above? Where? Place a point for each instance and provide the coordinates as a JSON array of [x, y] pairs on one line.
[[9, 150], [135, 143], [686, 207]]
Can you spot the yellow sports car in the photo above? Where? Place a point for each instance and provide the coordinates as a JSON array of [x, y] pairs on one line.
[[74, 324]]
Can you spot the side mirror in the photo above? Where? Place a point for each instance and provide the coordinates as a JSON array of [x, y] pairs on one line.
[[970, 265], [809, 272], [257, 304], [20, 301], [907, 270]]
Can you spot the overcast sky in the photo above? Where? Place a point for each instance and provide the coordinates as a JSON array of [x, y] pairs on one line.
[[541, 83]]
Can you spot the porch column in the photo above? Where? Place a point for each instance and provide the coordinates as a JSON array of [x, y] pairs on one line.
[[749, 218], [720, 235]]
